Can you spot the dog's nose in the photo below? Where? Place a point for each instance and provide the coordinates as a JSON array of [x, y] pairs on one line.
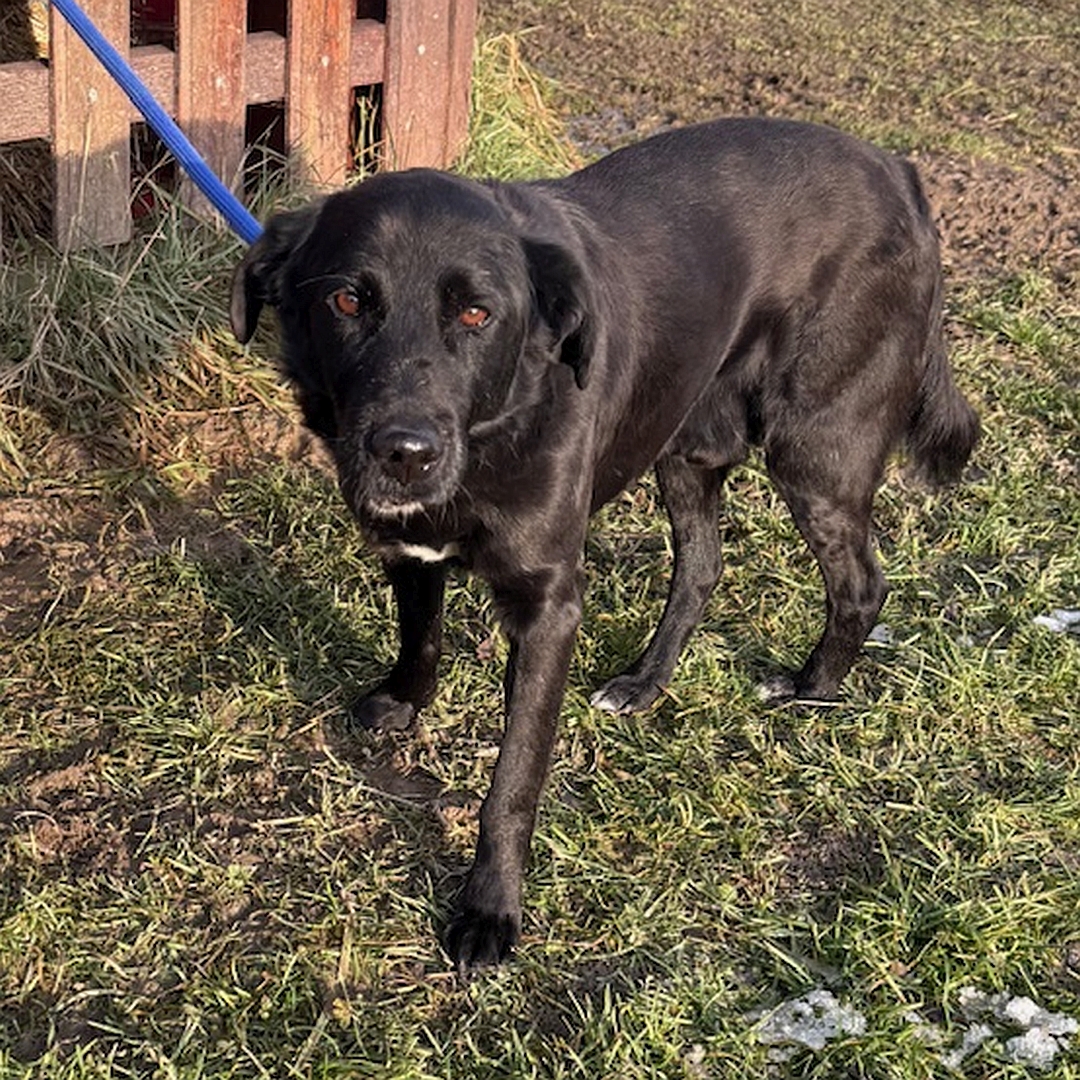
[[407, 451]]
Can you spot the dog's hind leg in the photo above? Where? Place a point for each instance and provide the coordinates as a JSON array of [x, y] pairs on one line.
[[829, 488], [692, 495]]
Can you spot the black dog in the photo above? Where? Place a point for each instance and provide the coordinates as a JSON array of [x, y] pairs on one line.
[[489, 363]]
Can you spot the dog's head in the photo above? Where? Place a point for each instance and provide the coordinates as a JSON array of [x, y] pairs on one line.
[[407, 305]]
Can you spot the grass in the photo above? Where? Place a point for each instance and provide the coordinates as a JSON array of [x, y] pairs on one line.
[[203, 876], [514, 131], [121, 331]]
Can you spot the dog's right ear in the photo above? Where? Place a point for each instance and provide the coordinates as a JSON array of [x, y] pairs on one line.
[[258, 278]]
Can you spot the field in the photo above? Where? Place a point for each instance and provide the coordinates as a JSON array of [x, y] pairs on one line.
[[205, 874]]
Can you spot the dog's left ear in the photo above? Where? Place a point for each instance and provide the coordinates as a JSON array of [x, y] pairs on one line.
[[561, 297], [257, 279]]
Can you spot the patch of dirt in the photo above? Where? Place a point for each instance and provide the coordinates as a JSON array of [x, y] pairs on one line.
[[820, 861], [66, 819], [231, 440], [998, 219], [59, 539], [46, 548], [65, 544]]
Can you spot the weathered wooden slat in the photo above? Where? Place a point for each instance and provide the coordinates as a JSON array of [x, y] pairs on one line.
[[417, 78], [368, 52], [459, 83], [210, 88], [91, 132], [318, 84], [24, 91], [156, 66], [24, 86], [264, 67]]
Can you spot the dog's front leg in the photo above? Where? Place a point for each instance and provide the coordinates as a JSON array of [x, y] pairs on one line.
[[410, 684], [488, 921]]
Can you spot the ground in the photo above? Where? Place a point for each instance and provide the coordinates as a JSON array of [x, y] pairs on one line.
[[198, 861]]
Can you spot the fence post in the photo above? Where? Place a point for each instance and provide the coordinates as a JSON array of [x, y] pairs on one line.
[[318, 85], [425, 94], [91, 131], [210, 85], [462, 42]]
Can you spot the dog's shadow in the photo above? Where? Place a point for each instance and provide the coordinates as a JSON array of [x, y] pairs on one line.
[[331, 654]]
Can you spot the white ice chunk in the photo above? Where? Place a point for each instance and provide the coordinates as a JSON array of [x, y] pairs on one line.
[[811, 1021], [1059, 621], [1042, 1037], [974, 1037], [1036, 1047]]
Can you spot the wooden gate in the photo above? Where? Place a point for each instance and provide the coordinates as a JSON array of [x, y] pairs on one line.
[[214, 65]]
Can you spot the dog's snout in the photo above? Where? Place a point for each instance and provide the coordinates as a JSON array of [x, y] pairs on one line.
[[407, 452]]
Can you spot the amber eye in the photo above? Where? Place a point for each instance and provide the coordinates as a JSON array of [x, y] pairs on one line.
[[472, 318], [346, 302]]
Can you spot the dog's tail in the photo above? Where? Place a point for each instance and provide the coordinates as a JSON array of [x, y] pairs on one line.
[[944, 427]]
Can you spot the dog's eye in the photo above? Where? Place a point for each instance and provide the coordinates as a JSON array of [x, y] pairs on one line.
[[472, 318], [346, 302]]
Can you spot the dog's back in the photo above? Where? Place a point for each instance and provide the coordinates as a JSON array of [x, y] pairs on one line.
[[750, 270], [786, 285]]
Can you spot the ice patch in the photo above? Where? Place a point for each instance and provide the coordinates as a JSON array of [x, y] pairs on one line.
[[972, 1039], [809, 1021], [1060, 621], [1012, 1027], [1043, 1035], [1036, 1048]]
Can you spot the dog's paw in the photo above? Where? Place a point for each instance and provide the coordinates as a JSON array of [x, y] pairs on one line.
[[626, 694], [381, 712], [784, 689], [477, 939], [777, 690]]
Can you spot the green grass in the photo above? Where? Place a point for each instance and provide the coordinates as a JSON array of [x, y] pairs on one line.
[[202, 876], [514, 133]]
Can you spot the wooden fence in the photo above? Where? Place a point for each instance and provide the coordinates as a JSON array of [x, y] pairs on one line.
[[418, 51]]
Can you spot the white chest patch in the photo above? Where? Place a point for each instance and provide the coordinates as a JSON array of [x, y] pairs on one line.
[[422, 553]]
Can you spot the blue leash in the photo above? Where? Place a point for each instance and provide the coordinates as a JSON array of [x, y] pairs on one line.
[[241, 222]]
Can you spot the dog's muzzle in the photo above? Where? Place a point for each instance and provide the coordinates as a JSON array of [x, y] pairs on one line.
[[402, 466]]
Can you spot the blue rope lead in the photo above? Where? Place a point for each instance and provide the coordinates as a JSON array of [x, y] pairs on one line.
[[241, 222]]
